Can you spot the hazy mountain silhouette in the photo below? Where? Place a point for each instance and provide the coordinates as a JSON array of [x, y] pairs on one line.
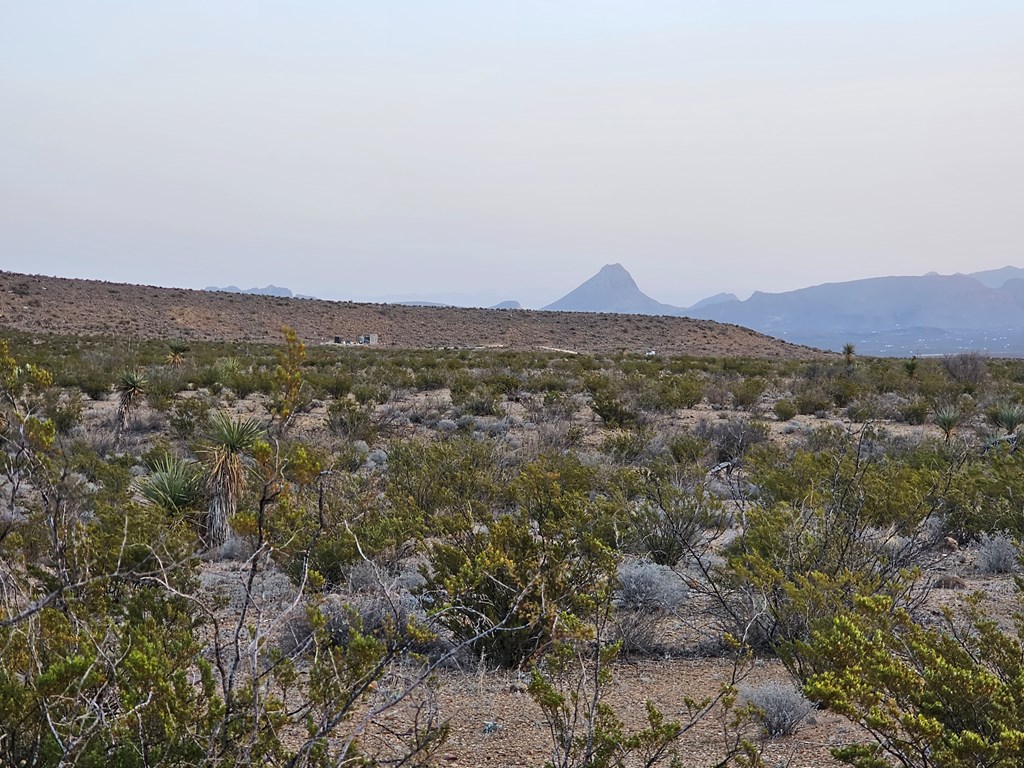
[[883, 315], [508, 305], [270, 290], [879, 303], [997, 278], [888, 315], [611, 290], [718, 298]]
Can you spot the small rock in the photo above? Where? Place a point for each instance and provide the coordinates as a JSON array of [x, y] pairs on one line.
[[949, 582], [491, 727]]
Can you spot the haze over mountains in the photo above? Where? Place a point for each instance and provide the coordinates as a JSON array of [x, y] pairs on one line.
[[270, 290], [927, 314], [900, 315]]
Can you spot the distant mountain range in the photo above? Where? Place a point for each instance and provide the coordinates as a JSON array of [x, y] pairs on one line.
[[901, 316], [928, 314], [270, 290]]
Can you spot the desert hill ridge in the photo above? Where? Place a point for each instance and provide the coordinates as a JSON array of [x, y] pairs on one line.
[[56, 305]]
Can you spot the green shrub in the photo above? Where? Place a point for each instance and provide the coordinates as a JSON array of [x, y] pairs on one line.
[[811, 401], [351, 420], [429, 379], [844, 389], [478, 401], [785, 410], [687, 449], [948, 695], [493, 585], [669, 393], [189, 415], [64, 411], [627, 446], [915, 411], [613, 411], [747, 393], [669, 522]]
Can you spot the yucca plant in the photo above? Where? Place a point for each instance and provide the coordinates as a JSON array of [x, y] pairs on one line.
[[848, 352], [176, 355], [910, 366], [174, 485], [948, 418], [226, 451], [131, 390], [1009, 416]]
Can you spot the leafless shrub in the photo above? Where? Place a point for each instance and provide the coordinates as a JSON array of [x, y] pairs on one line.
[[997, 553], [379, 603], [733, 437], [644, 585], [717, 393], [966, 369], [648, 593], [781, 708]]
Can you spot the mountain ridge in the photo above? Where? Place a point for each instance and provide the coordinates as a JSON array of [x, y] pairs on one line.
[[982, 310]]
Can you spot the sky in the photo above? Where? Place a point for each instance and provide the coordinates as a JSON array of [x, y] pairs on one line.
[[476, 151]]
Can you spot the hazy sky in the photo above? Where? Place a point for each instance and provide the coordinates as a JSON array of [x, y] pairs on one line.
[[485, 150]]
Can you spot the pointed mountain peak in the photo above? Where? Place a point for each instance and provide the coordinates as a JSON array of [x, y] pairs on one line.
[[612, 289]]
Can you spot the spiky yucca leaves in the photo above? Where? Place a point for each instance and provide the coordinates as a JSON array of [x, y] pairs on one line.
[[225, 452], [131, 389], [848, 352], [1009, 416], [176, 355], [175, 485], [948, 418]]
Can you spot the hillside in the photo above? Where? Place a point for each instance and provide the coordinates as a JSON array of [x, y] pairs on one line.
[[89, 307]]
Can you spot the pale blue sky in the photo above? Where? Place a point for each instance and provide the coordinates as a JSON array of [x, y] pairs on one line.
[[506, 150]]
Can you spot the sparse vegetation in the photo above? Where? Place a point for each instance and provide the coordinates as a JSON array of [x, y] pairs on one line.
[[303, 532]]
